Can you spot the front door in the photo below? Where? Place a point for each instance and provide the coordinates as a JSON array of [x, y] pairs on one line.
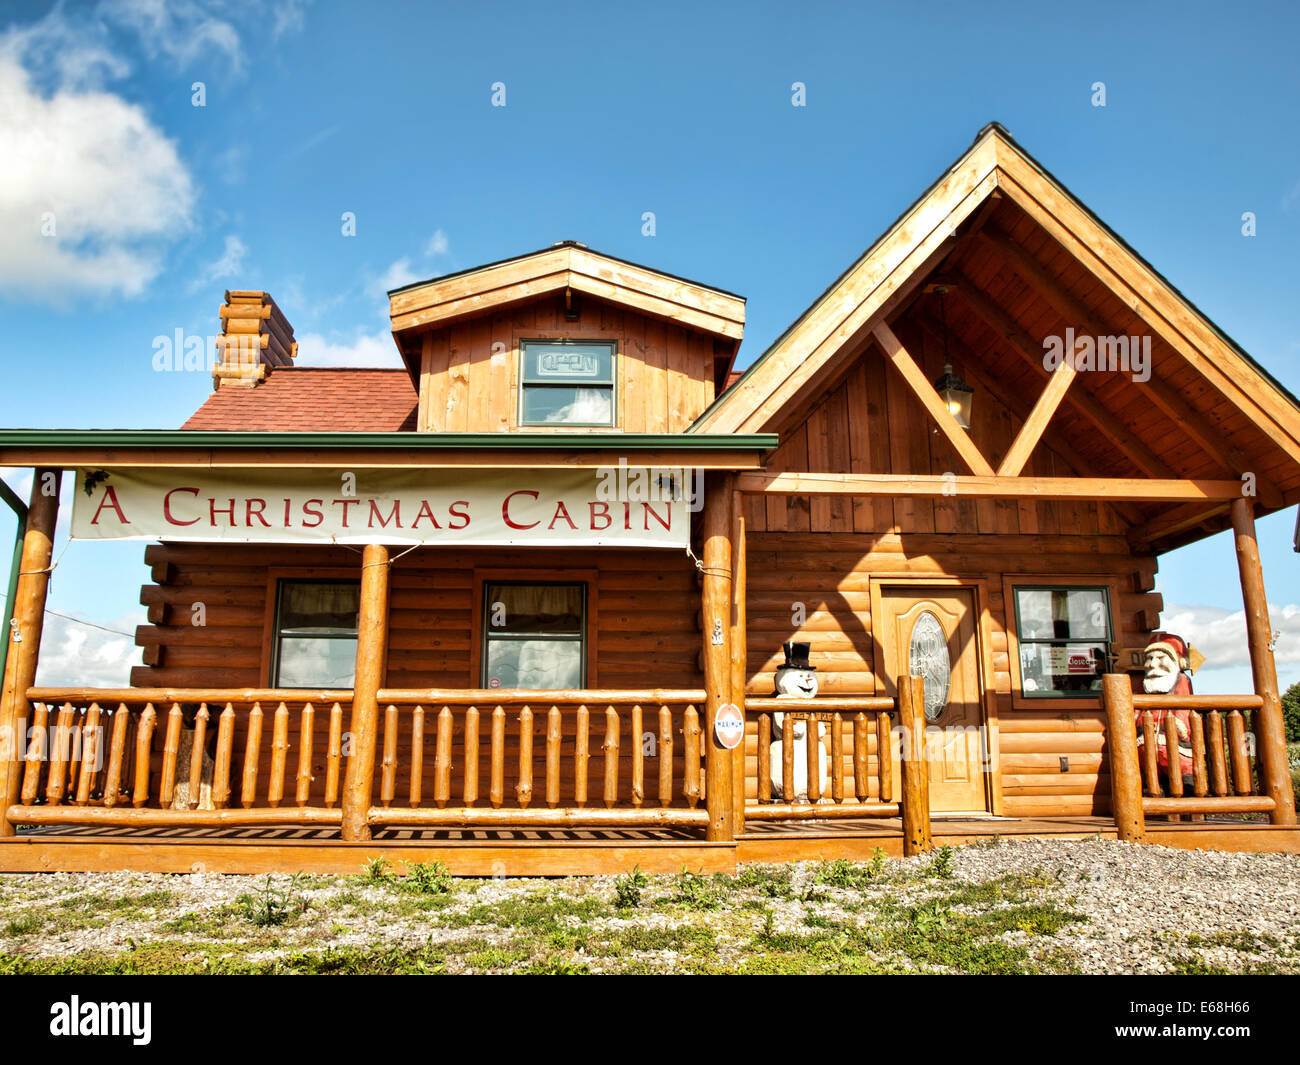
[[932, 632]]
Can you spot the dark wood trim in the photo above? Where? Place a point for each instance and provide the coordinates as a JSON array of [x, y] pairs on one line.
[[1081, 580], [276, 574], [589, 577]]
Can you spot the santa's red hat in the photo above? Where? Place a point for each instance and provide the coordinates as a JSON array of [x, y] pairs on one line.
[[1175, 646]]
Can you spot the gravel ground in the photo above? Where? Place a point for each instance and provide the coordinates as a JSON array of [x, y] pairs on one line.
[[1029, 905]]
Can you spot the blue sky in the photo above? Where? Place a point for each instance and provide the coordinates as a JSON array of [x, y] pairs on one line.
[[316, 109]]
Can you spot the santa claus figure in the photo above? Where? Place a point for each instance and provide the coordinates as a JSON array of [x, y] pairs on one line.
[[1166, 660]]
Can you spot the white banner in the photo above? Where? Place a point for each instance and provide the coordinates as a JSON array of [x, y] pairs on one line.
[[616, 507]]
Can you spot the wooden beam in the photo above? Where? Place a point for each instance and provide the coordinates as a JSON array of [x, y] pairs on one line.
[[1032, 429], [1190, 420], [1174, 521], [874, 286], [986, 211], [1121, 748], [925, 392], [554, 817], [1270, 731], [568, 268], [1150, 296], [1053, 436], [716, 605], [991, 486], [415, 458], [372, 647], [1081, 401], [914, 766], [739, 644], [28, 621]]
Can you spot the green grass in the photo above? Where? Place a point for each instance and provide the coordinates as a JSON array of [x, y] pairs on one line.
[[629, 888], [23, 925], [831, 917], [842, 873]]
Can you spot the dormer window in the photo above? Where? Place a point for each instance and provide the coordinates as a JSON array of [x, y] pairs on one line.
[[567, 382]]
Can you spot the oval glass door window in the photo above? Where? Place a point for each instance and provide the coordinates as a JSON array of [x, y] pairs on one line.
[[928, 658]]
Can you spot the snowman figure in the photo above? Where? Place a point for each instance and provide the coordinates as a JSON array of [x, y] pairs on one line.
[[795, 679]]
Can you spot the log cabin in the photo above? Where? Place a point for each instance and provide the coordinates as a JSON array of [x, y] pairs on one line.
[[523, 605]]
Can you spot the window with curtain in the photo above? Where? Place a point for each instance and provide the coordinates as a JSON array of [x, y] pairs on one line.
[[565, 382], [534, 635], [1064, 636], [316, 634]]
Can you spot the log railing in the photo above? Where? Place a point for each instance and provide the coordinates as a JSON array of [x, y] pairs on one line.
[[875, 721], [857, 730], [550, 759], [143, 756], [1221, 740], [444, 757]]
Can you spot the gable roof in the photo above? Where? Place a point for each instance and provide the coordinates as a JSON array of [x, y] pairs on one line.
[[889, 273], [566, 265], [316, 399]]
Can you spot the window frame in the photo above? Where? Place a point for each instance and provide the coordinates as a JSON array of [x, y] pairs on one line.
[[1021, 700], [568, 341], [486, 632], [591, 606], [275, 630]]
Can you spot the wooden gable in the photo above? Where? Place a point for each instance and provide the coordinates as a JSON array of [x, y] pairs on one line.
[[460, 336], [867, 421], [1022, 261]]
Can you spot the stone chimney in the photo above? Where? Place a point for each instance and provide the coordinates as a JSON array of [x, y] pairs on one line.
[[255, 338]]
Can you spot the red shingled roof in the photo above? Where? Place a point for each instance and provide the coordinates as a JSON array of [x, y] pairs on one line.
[[321, 399]]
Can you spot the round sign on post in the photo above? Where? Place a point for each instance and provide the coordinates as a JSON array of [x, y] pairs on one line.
[[729, 726]]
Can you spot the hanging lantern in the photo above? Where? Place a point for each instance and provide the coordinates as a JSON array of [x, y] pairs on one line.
[[956, 395]]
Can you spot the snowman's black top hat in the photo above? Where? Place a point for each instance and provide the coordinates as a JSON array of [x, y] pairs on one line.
[[796, 656]]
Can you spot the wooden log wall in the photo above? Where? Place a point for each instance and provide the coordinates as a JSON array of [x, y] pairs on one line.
[[646, 606], [817, 557], [831, 588], [470, 370], [646, 603]]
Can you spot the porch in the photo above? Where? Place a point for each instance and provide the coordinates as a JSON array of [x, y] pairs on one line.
[[506, 783], [506, 851], [548, 782]]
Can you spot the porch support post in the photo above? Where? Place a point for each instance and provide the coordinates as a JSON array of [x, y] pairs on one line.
[[739, 646], [1121, 747], [1270, 733], [372, 648], [716, 603], [29, 614], [915, 769]]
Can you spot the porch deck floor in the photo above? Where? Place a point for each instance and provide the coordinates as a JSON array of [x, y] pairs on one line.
[[504, 851]]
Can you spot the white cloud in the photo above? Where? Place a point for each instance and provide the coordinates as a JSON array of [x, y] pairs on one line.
[[1220, 634], [181, 30], [288, 16], [367, 349], [75, 654], [1291, 197], [63, 54], [316, 139], [90, 190], [231, 164], [230, 264], [397, 275], [437, 244]]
